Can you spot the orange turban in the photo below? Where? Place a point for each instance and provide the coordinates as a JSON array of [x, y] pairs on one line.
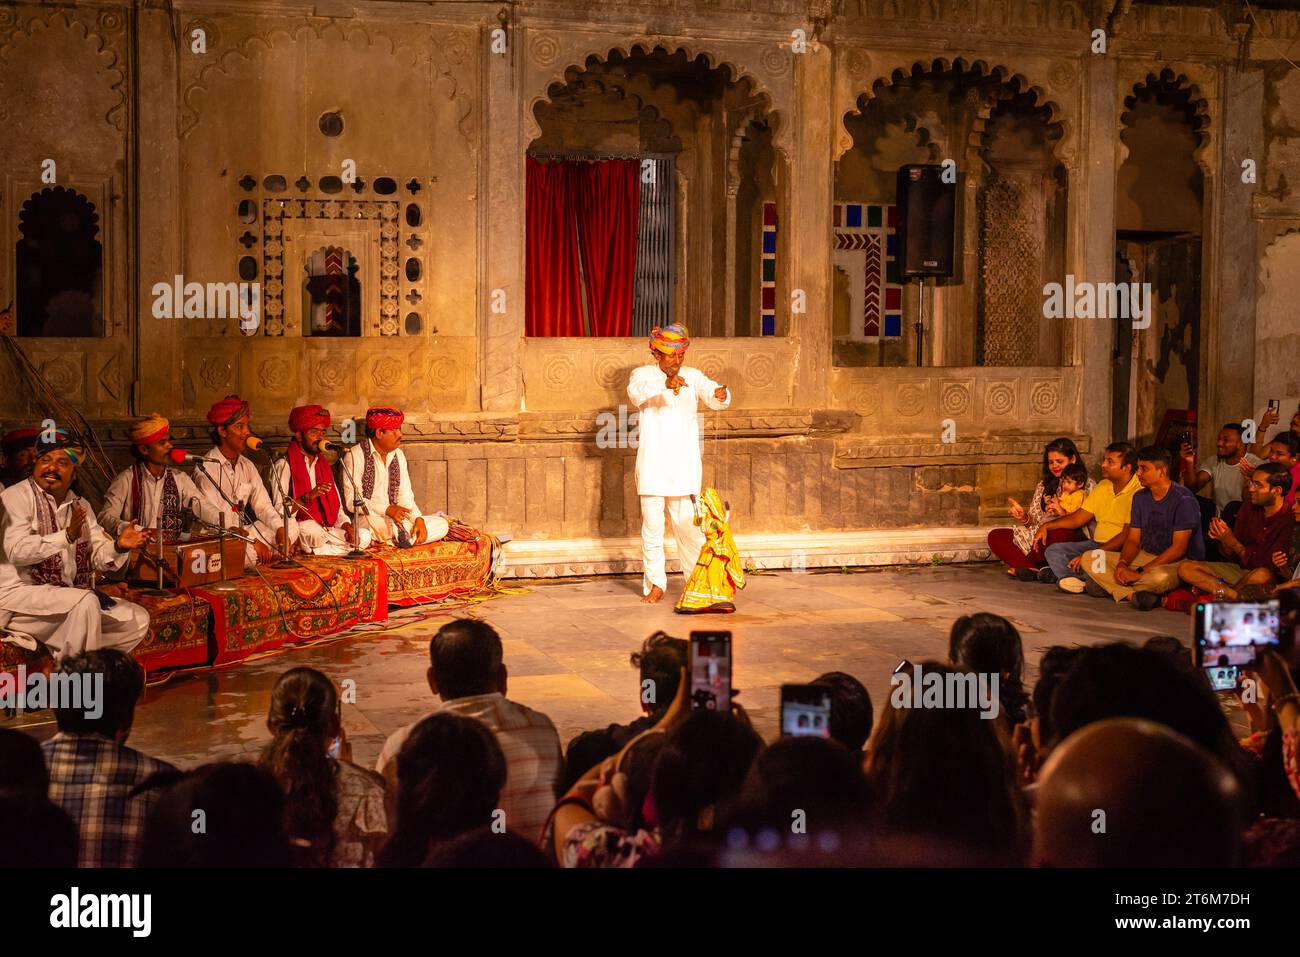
[[151, 428], [669, 339]]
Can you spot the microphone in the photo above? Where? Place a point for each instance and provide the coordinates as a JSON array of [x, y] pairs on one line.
[[181, 457], [254, 442], [325, 445]]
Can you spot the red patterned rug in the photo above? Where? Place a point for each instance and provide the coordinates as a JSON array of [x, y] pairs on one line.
[[179, 627], [271, 607], [429, 573]]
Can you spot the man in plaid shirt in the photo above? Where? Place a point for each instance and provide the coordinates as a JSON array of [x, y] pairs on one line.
[[92, 771]]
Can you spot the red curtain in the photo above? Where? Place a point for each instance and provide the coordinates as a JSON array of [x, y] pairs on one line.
[[552, 259], [609, 203], [595, 207]]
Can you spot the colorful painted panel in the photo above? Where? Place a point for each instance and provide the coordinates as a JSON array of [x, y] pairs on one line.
[[871, 228], [767, 281]]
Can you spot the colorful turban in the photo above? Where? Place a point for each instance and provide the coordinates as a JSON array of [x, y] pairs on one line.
[[151, 428], [669, 339], [306, 417], [18, 440], [228, 411], [61, 440], [380, 418]]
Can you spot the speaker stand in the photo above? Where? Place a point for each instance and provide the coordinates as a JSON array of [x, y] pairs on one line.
[[920, 322]]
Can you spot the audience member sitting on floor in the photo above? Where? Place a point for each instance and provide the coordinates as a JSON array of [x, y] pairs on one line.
[[660, 661], [1037, 736], [851, 714], [242, 809], [814, 783], [466, 672], [1074, 485], [22, 764], [989, 644], [1128, 792], [942, 774], [1017, 547], [1263, 527], [35, 832], [450, 773], [1164, 529], [486, 848], [1286, 560], [1106, 509], [92, 771], [691, 765], [1284, 450], [334, 811], [1226, 474]]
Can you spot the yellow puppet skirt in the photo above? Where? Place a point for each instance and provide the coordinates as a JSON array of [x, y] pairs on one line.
[[709, 589]]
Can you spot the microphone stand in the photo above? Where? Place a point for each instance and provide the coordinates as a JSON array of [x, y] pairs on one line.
[[358, 509], [160, 591], [224, 585], [285, 561]]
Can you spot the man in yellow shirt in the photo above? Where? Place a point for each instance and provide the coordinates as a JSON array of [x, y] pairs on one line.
[[1109, 506]]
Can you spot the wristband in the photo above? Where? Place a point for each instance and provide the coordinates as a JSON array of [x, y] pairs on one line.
[[1278, 702]]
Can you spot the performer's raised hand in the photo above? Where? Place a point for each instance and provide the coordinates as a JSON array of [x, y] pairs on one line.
[[128, 536], [720, 393], [77, 523], [676, 383], [318, 491], [397, 513]]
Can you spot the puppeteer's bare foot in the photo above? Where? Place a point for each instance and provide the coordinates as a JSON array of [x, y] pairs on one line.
[[655, 596]]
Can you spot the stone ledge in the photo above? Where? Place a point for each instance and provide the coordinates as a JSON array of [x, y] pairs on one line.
[[853, 451], [559, 558]]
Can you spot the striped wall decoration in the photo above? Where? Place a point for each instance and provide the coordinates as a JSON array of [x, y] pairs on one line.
[[871, 228], [767, 287]]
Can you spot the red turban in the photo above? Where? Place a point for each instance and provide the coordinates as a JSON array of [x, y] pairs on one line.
[[228, 411], [19, 439], [306, 417], [384, 418]]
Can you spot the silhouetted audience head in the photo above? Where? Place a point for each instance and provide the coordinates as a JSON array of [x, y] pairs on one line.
[[989, 644], [112, 682], [304, 721], [1052, 669], [1128, 792], [942, 772], [660, 661], [851, 713], [35, 832], [450, 773], [218, 815], [465, 659], [486, 848], [1177, 652], [22, 765], [699, 771], [802, 786]]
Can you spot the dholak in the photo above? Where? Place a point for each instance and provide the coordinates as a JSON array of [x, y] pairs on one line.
[[200, 561]]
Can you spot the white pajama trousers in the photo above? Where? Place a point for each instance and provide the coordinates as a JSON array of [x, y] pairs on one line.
[[681, 512], [85, 626]]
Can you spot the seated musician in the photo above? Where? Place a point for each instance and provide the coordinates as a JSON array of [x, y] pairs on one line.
[[19, 448], [53, 546], [306, 479], [376, 470], [230, 483], [152, 491]]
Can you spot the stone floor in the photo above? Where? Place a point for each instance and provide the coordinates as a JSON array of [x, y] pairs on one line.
[[567, 644]]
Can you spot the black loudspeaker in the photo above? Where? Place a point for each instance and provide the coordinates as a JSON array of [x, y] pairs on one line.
[[926, 221]]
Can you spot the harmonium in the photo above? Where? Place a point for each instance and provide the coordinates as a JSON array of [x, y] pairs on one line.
[[200, 561]]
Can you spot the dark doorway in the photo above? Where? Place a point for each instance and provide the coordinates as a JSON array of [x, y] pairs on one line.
[[60, 266]]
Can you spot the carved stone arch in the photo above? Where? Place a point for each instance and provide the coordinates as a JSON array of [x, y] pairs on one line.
[[1006, 83], [573, 66], [259, 45], [1177, 82]]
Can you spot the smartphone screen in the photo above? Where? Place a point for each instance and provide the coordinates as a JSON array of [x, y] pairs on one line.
[[711, 670], [1234, 633], [805, 711], [1275, 405], [1224, 679]]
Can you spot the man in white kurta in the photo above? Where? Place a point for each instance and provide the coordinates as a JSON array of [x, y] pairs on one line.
[[667, 394], [375, 470], [230, 483], [317, 522], [53, 546], [152, 491]]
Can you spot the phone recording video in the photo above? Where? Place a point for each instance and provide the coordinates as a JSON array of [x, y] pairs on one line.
[[1234, 634], [1224, 679], [711, 670], [805, 711]]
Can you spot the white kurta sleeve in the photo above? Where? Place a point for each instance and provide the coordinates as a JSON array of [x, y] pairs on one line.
[[349, 468], [22, 545], [279, 484], [405, 492], [646, 390], [706, 387], [103, 548], [117, 502], [260, 501], [193, 498]]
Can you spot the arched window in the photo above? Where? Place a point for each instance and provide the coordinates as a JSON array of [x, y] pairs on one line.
[[60, 266], [331, 294]]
